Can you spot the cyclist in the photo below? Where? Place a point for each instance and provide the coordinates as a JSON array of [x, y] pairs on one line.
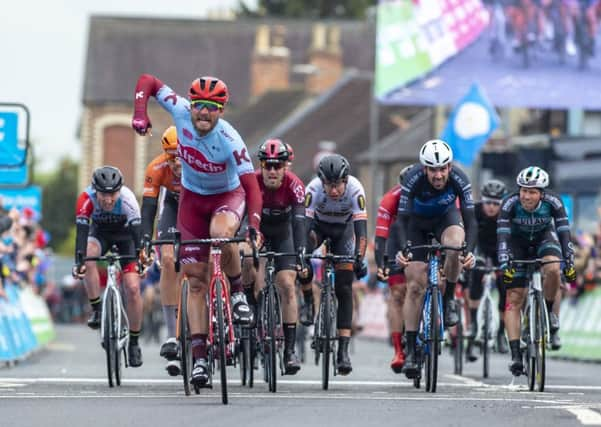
[[335, 203], [290, 156], [487, 212], [283, 227], [428, 204], [386, 219], [164, 171], [107, 213], [532, 223], [217, 180]]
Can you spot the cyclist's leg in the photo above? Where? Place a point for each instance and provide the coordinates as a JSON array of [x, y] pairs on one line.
[[550, 250], [449, 231], [169, 282], [225, 222], [91, 280], [193, 222], [516, 295], [398, 290]]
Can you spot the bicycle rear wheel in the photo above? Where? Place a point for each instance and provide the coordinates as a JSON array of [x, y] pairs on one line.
[[271, 340], [244, 355], [325, 337], [221, 339], [486, 335], [185, 344], [109, 342]]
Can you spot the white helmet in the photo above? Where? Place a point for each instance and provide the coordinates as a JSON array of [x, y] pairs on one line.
[[435, 153], [533, 177]]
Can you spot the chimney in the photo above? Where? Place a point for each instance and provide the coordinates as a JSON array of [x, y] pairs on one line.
[[270, 63], [325, 55]]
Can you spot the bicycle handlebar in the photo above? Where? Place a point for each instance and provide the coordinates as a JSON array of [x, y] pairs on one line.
[[435, 247], [536, 261]]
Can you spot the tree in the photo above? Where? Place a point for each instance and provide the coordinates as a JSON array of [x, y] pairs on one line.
[[309, 8], [59, 192]]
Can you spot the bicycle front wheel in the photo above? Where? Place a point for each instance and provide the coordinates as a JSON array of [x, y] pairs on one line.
[[434, 342], [325, 337], [271, 340], [221, 339], [486, 336], [540, 343], [109, 341], [184, 339]]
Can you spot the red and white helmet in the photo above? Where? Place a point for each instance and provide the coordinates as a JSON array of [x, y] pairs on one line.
[[274, 150]]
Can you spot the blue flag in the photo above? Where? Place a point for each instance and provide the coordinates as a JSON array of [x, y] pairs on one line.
[[470, 124]]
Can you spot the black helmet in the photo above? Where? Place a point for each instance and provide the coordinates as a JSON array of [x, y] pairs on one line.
[[332, 168], [403, 172], [494, 189], [107, 179]]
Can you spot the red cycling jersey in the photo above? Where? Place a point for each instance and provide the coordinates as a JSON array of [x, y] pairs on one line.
[[387, 211]]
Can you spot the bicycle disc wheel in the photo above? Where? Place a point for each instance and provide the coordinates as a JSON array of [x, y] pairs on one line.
[[486, 334], [221, 339], [326, 336], [184, 337], [108, 338], [271, 340], [434, 339], [458, 350], [541, 344]]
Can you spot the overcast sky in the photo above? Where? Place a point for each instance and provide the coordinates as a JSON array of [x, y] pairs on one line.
[[42, 60]]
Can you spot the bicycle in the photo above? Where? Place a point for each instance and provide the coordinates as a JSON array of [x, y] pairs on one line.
[[221, 339], [114, 324], [535, 331], [324, 336], [431, 324], [458, 331], [488, 317]]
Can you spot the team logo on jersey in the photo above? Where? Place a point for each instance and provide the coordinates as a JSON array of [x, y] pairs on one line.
[[241, 156], [308, 198], [361, 201], [198, 161]]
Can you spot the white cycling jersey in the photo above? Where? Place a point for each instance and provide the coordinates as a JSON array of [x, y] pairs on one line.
[[350, 206]]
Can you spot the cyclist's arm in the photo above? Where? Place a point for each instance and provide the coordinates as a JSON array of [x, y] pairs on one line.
[[147, 86], [297, 196], [504, 228], [463, 189], [83, 211], [386, 216], [150, 197], [149, 210], [254, 203], [562, 226], [360, 220]]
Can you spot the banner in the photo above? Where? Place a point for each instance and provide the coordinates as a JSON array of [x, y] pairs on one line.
[[26, 197], [414, 37]]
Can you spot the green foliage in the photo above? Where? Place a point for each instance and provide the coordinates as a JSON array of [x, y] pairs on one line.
[[67, 246], [354, 9], [59, 192]]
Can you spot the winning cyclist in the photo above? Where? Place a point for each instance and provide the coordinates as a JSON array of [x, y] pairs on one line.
[[283, 227], [107, 213], [335, 203], [532, 224], [428, 205], [217, 180], [387, 212], [487, 212], [164, 171]]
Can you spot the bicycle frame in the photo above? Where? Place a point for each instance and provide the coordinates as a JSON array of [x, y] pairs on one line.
[[215, 255], [426, 315]]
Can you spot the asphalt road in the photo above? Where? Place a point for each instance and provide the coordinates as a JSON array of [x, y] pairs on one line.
[[64, 385]]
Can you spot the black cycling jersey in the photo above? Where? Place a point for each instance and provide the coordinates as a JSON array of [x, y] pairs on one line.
[[531, 228], [420, 199], [487, 232]]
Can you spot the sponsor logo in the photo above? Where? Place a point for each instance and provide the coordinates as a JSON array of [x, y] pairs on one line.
[[308, 198], [241, 156], [298, 192], [171, 97], [361, 201], [226, 135], [140, 94], [198, 161], [191, 248]]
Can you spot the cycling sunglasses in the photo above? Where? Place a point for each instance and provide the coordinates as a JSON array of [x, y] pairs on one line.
[[209, 105], [272, 165]]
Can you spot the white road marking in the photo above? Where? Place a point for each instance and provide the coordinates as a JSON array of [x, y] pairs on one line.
[[586, 416], [467, 381]]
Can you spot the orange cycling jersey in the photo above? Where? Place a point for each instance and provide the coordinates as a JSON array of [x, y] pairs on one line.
[[159, 174]]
